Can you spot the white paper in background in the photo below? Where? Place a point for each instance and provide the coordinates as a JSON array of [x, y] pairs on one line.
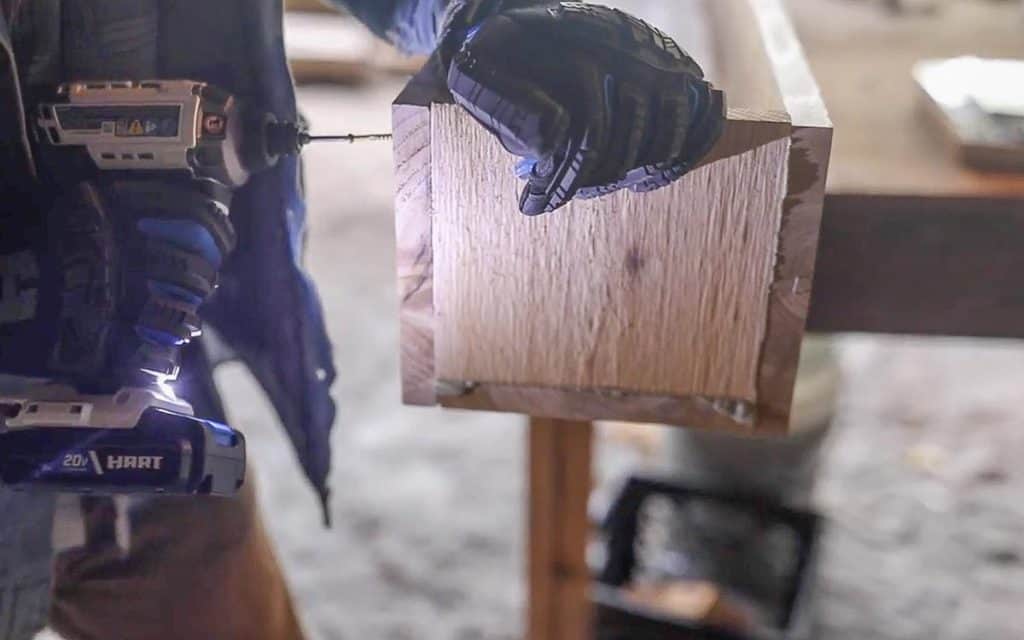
[[994, 85]]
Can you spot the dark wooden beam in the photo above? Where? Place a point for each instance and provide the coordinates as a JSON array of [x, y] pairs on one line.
[[928, 266]]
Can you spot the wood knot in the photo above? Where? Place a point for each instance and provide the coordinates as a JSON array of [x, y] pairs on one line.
[[634, 261]]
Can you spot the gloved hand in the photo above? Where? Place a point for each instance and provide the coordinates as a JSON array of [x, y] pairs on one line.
[[593, 99], [137, 260]]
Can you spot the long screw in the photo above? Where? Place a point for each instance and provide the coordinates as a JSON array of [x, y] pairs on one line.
[[306, 138], [288, 138]]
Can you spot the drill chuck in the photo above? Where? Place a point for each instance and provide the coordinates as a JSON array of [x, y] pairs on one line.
[[284, 138]]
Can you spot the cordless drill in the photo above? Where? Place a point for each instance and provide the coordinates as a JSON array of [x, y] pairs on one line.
[[131, 434]]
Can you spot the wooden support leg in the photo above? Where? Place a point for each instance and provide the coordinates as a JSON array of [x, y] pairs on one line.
[[560, 480]]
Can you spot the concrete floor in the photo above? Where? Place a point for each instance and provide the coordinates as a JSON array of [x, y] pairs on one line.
[[922, 487], [922, 491]]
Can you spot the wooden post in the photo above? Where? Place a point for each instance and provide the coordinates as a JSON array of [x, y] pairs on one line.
[[560, 480]]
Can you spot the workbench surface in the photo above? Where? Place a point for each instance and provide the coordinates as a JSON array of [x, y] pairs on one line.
[[911, 241], [862, 56]]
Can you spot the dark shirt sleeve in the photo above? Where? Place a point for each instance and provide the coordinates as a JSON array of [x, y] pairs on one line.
[[411, 25]]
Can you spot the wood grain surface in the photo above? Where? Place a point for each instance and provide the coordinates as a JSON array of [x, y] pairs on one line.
[[747, 129], [688, 303], [601, 404], [794, 275], [664, 292], [414, 252]]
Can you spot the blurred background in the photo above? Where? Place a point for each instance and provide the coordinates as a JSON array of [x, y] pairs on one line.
[[922, 488]]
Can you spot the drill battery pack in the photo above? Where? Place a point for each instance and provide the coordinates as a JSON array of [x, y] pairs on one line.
[[162, 452]]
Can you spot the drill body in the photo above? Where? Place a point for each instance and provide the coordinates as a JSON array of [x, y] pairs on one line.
[[148, 170]]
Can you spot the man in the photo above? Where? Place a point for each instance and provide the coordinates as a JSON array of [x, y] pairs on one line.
[[591, 101]]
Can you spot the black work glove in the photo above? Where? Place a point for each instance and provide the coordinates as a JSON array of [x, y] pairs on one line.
[[136, 260], [593, 99]]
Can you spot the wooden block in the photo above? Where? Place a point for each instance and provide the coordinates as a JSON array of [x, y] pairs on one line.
[[584, 298], [684, 306], [414, 251]]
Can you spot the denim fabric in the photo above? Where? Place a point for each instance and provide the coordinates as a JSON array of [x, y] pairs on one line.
[[267, 309], [411, 25]]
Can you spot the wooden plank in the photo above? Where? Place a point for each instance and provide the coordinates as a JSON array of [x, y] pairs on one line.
[[559, 579], [801, 221], [921, 265], [596, 404], [542, 530], [794, 275], [414, 252], [747, 129], [662, 293], [413, 232]]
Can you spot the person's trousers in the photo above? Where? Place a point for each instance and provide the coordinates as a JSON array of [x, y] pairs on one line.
[[193, 568], [170, 568]]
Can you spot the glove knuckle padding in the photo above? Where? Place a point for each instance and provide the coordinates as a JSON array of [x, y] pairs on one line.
[[599, 98], [671, 114], [522, 115], [583, 154]]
